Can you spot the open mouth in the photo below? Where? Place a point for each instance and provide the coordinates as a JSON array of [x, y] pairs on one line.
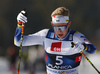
[[60, 34]]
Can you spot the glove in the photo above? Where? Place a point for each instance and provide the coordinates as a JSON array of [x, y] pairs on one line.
[[21, 17], [78, 46]]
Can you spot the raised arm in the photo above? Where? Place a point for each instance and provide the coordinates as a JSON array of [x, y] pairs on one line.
[[33, 39]]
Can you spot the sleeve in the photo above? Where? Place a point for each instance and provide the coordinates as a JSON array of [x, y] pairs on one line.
[[89, 47], [33, 39]]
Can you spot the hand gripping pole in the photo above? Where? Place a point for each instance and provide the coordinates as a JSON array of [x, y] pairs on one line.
[[20, 50], [87, 59]]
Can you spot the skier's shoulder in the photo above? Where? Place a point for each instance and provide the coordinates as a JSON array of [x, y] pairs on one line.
[[50, 30], [77, 34], [43, 32]]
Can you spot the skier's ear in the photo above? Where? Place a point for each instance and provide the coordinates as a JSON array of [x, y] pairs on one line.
[[69, 23], [52, 23]]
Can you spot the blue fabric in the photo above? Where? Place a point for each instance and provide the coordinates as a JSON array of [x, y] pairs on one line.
[[18, 33], [90, 48], [68, 60], [66, 38]]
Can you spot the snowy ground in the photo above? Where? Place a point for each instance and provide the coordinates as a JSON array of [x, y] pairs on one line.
[[85, 67]]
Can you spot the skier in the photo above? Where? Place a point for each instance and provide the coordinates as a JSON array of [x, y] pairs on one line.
[[62, 45]]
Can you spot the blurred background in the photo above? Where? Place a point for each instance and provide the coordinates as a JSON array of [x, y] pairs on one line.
[[85, 17]]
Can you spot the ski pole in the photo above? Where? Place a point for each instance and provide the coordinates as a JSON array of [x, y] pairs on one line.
[[73, 44], [90, 62], [20, 50]]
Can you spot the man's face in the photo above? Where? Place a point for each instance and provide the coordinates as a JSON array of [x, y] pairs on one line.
[[61, 29]]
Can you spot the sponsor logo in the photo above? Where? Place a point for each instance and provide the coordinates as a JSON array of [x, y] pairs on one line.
[[56, 47], [52, 35], [70, 37], [61, 72], [57, 20], [67, 20], [54, 16], [60, 67], [53, 71], [77, 59], [82, 36], [86, 40], [46, 57]]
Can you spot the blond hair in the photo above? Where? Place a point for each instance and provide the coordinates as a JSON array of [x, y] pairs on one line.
[[60, 11]]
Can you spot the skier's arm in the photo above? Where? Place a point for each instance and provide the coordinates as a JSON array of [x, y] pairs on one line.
[[33, 39], [89, 47]]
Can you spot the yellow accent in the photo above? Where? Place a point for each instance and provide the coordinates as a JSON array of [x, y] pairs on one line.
[[67, 20], [14, 42], [78, 32], [85, 48], [46, 29], [19, 25], [57, 20], [96, 51]]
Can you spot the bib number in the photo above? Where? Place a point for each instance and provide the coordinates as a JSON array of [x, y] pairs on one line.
[[59, 60]]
